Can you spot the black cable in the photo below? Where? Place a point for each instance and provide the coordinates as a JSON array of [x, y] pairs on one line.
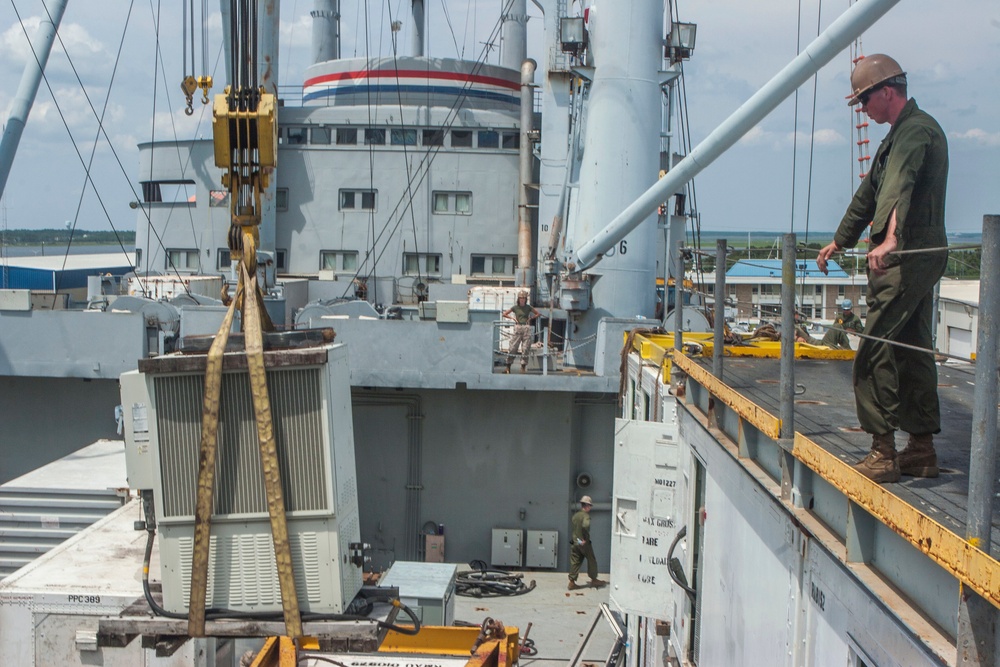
[[674, 564], [484, 583]]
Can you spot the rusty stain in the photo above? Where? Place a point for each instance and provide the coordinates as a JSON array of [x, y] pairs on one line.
[[768, 381]]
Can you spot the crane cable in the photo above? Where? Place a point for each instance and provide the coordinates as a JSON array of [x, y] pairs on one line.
[[245, 125]]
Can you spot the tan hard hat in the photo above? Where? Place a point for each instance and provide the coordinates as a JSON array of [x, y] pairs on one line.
[[586, 501], [870, 72], [522, 295]]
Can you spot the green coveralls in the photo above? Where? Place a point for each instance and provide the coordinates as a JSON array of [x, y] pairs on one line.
[[577, 552], [836, 335], [894, 387]]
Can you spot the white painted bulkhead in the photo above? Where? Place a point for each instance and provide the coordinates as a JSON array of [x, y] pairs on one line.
[[769, 589]]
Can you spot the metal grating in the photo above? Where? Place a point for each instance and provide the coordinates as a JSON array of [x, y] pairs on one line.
[[242, 571], [296, 406]]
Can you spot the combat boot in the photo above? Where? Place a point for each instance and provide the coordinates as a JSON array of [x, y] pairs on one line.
[[918, 458], [880, 465]]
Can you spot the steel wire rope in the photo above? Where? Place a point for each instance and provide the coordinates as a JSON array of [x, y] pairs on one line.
[[827, 327], [183, 163], [451, 29], [685, 125], [795, 121], [371, 169], [76, 147], [429, 155], [425, 163], [93, 151], [406, 160]]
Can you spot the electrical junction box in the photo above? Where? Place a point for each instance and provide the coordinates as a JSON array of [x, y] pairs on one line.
[[135, 423], [508, 547], [426, 588], [434, 548], [542, 549]]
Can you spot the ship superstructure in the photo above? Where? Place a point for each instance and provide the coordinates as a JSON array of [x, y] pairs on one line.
[[398, 216]]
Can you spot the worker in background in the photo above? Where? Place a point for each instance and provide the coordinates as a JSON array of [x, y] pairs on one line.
[[581, 548], [520, 342], [903, 198], [848, 320]]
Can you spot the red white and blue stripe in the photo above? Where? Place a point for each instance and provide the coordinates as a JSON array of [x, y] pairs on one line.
[[436, 86]]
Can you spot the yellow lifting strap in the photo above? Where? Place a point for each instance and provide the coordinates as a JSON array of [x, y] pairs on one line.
[[249, 300]]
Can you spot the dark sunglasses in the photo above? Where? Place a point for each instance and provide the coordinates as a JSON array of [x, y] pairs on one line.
[[865, 96]]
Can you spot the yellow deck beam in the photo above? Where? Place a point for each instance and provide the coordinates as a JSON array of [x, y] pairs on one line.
[[958, 556], [767, 423]]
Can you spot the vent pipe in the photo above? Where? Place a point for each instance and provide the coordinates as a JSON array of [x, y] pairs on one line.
[[325, 30], [514, 34], [417, 46], [525, 255]]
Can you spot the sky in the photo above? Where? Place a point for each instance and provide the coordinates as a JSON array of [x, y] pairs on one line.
[[795, 171]]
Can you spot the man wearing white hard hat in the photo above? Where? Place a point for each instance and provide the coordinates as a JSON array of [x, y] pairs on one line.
[[581, 549]]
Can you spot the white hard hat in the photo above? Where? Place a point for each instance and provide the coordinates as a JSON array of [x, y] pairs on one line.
[[586, 501]]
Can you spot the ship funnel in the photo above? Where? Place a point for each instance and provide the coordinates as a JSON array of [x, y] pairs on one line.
[[514, 34], [325, 30], [417, 45]]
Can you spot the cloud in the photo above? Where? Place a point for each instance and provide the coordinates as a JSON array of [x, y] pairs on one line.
[[978, 137], [81, 45], [758, 136]]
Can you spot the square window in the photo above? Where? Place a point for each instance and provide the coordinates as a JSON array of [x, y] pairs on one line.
[[511, 140], [218, 198], [320, 135], [433, 138], [279, 259], [463, 203], [400, 137], [489, 139], [223, 259], [499, 265], [440, 202], [281, 199], [374, 136], [461, 138], [411, 264], [296, 135], [347, 136], [478, 264], [368, 200], [346, 199], [351, 261]]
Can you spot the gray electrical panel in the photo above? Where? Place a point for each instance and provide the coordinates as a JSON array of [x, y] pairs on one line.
[[541, 549], [508, 547]]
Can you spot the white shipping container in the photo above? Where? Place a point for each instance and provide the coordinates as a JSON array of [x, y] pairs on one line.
[[49, 609]]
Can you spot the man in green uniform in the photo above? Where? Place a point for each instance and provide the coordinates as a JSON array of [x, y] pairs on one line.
[[581, 548], [903, 198], [848, 320], [836, 335]]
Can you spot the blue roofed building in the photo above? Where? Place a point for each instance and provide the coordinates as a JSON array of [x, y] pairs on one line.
[[753, 288], [60, 274]]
